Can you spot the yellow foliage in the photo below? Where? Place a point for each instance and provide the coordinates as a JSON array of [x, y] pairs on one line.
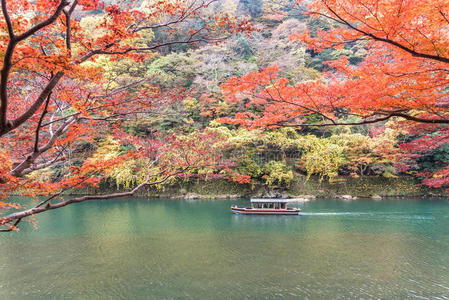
[[321, 157], [107, 149]]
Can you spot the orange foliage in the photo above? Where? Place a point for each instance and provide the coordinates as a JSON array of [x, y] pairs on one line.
[[54, 94], [404, 74]]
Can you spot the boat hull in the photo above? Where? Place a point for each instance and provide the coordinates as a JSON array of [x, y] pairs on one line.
[[264, 211]]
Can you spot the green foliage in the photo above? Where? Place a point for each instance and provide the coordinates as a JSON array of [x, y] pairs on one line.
[[129, 174], [433, 160], [321, 157], [173, 70], [253, 7], [243, 48], [278, 174], [247, 166], [266, 156], [285, 139], [327, 157], [141, 127], [107, 148]]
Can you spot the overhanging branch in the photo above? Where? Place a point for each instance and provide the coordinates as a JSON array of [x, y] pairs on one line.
[[40, 208], [381, 39]]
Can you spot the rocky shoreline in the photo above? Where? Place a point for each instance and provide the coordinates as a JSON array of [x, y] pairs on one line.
[[347, 189], [299, 198]]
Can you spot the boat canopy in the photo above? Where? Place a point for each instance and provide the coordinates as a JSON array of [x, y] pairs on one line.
[[269, 200]]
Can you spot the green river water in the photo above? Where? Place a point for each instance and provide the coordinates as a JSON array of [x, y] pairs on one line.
[[173, 249]]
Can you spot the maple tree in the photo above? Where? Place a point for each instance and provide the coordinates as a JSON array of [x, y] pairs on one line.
[[403, 76], [57, 91]]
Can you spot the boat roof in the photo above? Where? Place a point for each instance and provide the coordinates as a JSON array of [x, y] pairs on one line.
[[270, 200]]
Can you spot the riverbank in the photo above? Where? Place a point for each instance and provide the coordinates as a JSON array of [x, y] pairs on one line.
[[346, 188]]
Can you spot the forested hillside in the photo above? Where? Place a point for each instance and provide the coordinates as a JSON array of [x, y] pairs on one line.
[[261, 93], [270, 155]]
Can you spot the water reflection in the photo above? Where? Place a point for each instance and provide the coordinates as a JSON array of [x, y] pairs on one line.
[[177, 249]]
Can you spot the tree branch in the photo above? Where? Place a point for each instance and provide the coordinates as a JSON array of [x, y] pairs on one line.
[[188, 12], [386, 40], [125, 51], [42, 165], [369, 121], [68, 15], [6, 126], [39, 124], [11, 228], [42, 24], [13, 124], [18, 171], [4, 221]]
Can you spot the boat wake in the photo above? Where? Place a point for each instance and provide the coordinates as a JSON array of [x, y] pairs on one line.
[[370, 215], [334, 214]]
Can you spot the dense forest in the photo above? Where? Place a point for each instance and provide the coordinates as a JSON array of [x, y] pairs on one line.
[[130, 94]]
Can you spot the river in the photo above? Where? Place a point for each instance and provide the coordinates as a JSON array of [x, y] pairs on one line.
[[173, 249]]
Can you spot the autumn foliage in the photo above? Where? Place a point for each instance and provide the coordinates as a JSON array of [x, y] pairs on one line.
[[403, 77], [71, 77], [57, 91]]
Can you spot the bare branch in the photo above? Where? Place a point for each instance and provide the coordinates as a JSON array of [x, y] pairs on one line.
[[143, 49], [188, 12], [43, 165], [19, 170], [39, 124], [34, 107]]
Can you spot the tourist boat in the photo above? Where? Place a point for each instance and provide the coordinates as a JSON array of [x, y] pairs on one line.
[[266, 206]]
